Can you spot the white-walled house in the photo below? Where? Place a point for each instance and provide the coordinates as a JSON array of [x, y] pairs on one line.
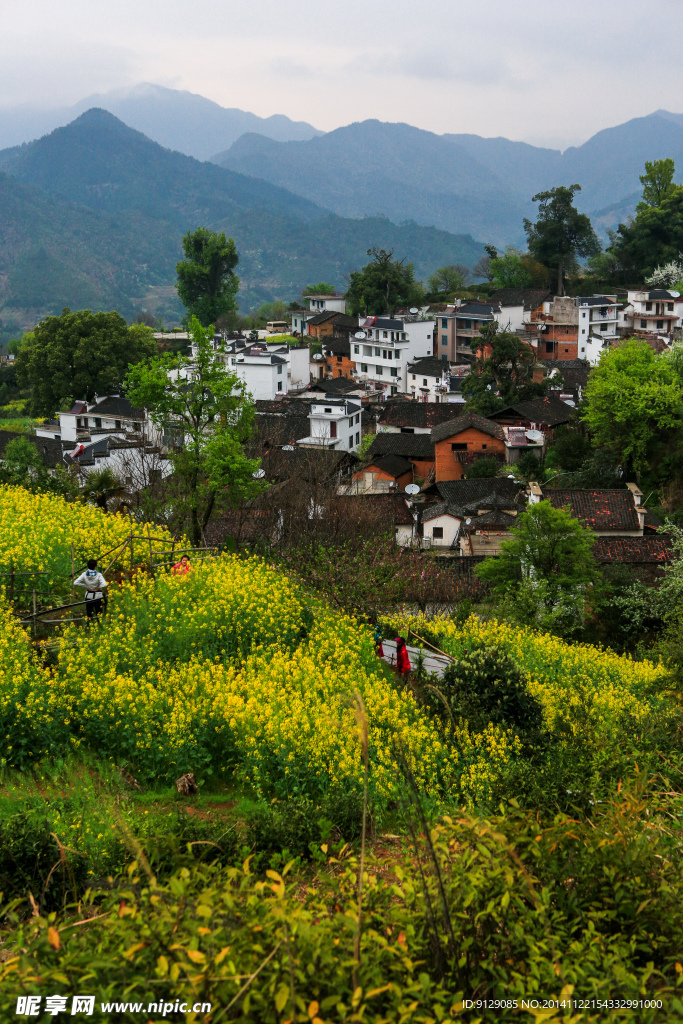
[[326, 303], [265, 374], [440, 526], [654, 310], [334, 423], [382, 357], [103, 417], [428, 379]]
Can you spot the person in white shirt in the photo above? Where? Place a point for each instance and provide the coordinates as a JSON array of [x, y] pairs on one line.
[[95, 584]]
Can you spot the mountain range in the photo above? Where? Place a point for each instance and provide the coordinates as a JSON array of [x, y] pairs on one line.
[[460, 182], [174, 118], [94, 214]]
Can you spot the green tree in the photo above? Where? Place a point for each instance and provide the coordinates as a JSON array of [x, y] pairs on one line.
[[503, 376], [446, 280], [561, 234], [508, 270], [212, 414], [207, 282], [382, 285], [544, 570], [652, 239], [634, 399], [657, 182], [321, 288], [23, 466], [78, 355]]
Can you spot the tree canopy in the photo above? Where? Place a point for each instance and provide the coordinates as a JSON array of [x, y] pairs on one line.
[[207, 282], [561, 234], [652, 239], [78, 355], [634, 399], [211, 416], [446, 280], [544, 569], [321, 288], [382, 285], [508, 270], [657, 182], [504, 375]]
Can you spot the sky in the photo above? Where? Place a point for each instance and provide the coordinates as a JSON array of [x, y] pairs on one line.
[[546, 71]]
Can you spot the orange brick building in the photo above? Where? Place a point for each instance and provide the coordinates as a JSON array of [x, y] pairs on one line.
[[460, 442], [383, 470]]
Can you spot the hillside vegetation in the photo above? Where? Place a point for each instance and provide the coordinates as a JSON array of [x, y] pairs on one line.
[[95, 212]]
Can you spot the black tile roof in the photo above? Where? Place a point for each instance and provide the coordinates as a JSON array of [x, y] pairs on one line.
[[410, 446], [394, 465], [337, 346], [475, 492], [321, 318], [549, 410], [119, 408], [600, 509], [490, 520], [574, 371], [660, 293], [652, 549], [49, 448], [429, 366], [595, 300], [465, 422], [478, 310], [415, 414], [385, 323], [336, 386]]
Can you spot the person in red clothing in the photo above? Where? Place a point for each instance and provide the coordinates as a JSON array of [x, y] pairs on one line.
[[403, 665], [182, 567]]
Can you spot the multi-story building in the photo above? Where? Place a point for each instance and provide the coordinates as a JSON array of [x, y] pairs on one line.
[[575, 327], [266, 375], [654, 311], [334, 423], [388, 345], [326, 303], [428, 379]]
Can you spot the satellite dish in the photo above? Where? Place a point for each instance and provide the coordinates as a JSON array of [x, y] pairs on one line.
[[318, 356], [468, 522], [675, 295], [534, 435], [288, 447], [414, 309], [259, 474], [359, 335], [412, 489], [569, 401]]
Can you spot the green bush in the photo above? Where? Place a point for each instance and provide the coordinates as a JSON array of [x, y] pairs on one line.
[[483, 467], [503, 909], [486, 686]]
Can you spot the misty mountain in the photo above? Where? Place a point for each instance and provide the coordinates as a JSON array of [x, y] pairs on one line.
[[94, 214], [176, 119], [459, 182]]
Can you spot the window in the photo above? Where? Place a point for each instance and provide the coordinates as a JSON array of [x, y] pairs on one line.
[[117, 424], [660, 325], [333, 429], [483, 446], [648, 305], [340, 373], [377, 351], [367, 350], [603, 327], [339, 359], [394, 371], [669, 307], [444, 323], [548, 346], [85, 421], [458, 447], [413, 376], [379, 371], [424, 382], [351, 441], [437, 532], [279, 370], [566, 350], [397, 354], [363, 367], [78, 418], [403, 335], [328, 410], [583, 330], [356, 350], [384, 334], [357, 437], [643, 323], [357, 417], [279, 385]]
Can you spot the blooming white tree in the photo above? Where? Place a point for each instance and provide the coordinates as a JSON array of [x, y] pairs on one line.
[[667, 275]]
